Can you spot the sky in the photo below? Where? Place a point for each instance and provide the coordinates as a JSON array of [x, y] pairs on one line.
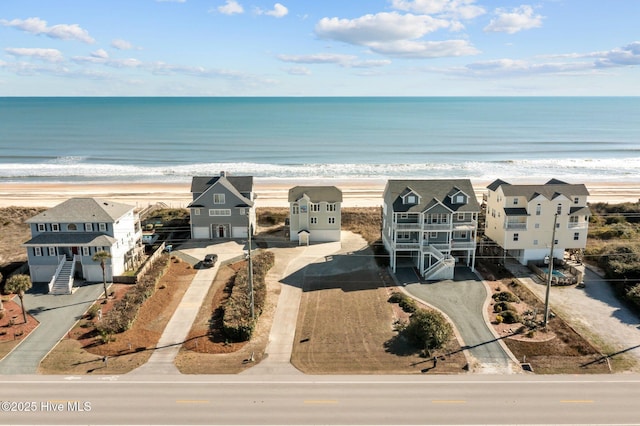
[[319, 48]]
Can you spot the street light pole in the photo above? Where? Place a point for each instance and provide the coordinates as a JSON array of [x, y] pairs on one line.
[[550, 271]]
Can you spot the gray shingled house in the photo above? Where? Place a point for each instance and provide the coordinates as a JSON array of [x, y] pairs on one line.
[[315, 214]]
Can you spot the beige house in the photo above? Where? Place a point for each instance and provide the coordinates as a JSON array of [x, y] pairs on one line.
[[314, 214], [520, 218], [430, 225]]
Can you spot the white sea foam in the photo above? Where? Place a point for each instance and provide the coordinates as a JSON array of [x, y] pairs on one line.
[[77, 169]]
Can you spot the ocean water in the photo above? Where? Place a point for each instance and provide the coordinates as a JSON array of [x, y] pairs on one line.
[[172, 139]]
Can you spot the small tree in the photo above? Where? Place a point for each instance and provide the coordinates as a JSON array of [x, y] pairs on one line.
[[428, 329], [101, 256], [18, 284]]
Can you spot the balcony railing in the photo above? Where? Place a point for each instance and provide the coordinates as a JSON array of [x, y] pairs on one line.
[[459, 245], [578, 225], [405, 244], [437, 226], [405, 226]]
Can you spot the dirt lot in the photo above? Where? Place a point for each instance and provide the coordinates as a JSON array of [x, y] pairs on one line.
[[345, 326], [82, 351]]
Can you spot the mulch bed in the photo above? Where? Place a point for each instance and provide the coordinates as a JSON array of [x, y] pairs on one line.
[[12, 335]]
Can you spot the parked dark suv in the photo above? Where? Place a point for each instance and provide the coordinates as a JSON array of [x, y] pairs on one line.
[[210, 260]]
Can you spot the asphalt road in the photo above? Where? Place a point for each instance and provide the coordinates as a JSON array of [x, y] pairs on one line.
[[323, 400]]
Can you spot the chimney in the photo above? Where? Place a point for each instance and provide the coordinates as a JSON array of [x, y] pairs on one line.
[[223, 174]]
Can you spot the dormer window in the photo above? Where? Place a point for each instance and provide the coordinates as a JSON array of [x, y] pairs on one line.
[[55, 227], [459, 199], [42, 227], [412, 199]]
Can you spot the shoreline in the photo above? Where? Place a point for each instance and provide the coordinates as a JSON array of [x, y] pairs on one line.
[[270, 192]]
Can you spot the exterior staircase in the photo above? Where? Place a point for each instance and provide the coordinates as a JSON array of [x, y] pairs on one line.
[[443, 269], [62, 282]]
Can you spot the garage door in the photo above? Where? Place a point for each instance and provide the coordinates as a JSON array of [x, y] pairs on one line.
[[239, 232], [200, 232]]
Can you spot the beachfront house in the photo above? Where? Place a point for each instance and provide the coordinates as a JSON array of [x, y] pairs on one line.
[[430, 225], [314, 214], [222, 207], [64, 239], [520, 218]]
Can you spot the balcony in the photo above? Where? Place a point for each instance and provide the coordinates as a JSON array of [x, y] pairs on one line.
[[437, 226], [578, 225], [404, 226], [468, 225], [443, 247], [515, 225], [463, 245], [407, 245]]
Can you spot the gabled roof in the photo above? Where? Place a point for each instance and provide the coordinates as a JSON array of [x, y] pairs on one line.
[[199, 184], [204, 185], [431, 192], [83, 210], [580, 210], [316, 194], [71, 239], [552, 189]]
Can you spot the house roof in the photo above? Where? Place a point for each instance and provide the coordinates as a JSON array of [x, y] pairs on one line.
[[552, 189], [71, 239], [200, 185], [316, 194], [516, 212], [431, 192], [83, 210]]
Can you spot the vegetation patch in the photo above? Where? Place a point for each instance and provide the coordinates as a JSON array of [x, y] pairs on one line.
[[237, 323]]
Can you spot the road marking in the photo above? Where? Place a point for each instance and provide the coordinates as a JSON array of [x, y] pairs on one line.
[[448, 401], [576, 401], [192, 401], [320, 401]]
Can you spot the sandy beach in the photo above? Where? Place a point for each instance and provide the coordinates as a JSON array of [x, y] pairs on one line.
[[270, 193]]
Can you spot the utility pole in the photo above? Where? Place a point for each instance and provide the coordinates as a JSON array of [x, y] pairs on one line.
[[250, 275], [550, 270]]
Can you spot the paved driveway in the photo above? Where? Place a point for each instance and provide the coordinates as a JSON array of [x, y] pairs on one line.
[[56, 314], [463, 300]]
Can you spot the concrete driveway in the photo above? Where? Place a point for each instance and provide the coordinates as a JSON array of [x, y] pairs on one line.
[[56, 315], [463, 300]]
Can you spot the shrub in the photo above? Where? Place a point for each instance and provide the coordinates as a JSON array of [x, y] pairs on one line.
[[405, 302], [499, 319], [396, 297], [505, 296], [236, 320], [503, 306], [93, 311], [510, 317], [633, 294], [428, 329]]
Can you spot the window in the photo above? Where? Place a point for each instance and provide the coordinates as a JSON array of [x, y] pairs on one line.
[[516, 236], [102, 227], [404, 216], [555, 241], [332, 220], [42, 227], [576, 236], [459, 199], [219, 212], [72, 227], [404, 235], [85, 251], [463, 235], [88, 226], [331, 207], [538, 209], [315, 207], [573, 219], [55, 227], [295, 209], [559, 209], [314, 220], [537, 226], [218, 198], [557, 226], [576, 200], [460, 216], [37, 251], [52, 251], [535, 242], [515, 201], [242, 211], [433, 235], [412, 199], [196, 212]]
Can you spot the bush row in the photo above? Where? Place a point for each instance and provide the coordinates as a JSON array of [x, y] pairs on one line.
[[405, 302], [124, 312], [505, 296], [236, 321]]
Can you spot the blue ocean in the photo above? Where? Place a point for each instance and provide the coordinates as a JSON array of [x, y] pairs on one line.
[[171, 139]]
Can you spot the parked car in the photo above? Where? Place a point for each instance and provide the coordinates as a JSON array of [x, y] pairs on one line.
[[210, 260]]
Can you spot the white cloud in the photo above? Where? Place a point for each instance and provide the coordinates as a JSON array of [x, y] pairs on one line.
[[425, 49], [298, 71], [460, 9], [628, 55], [346, 61], [121, 44], [100, 53], [101, 57], [278, 11], [381, 27], [39, 26], [48, 55], [231, 7], [517, 19]]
